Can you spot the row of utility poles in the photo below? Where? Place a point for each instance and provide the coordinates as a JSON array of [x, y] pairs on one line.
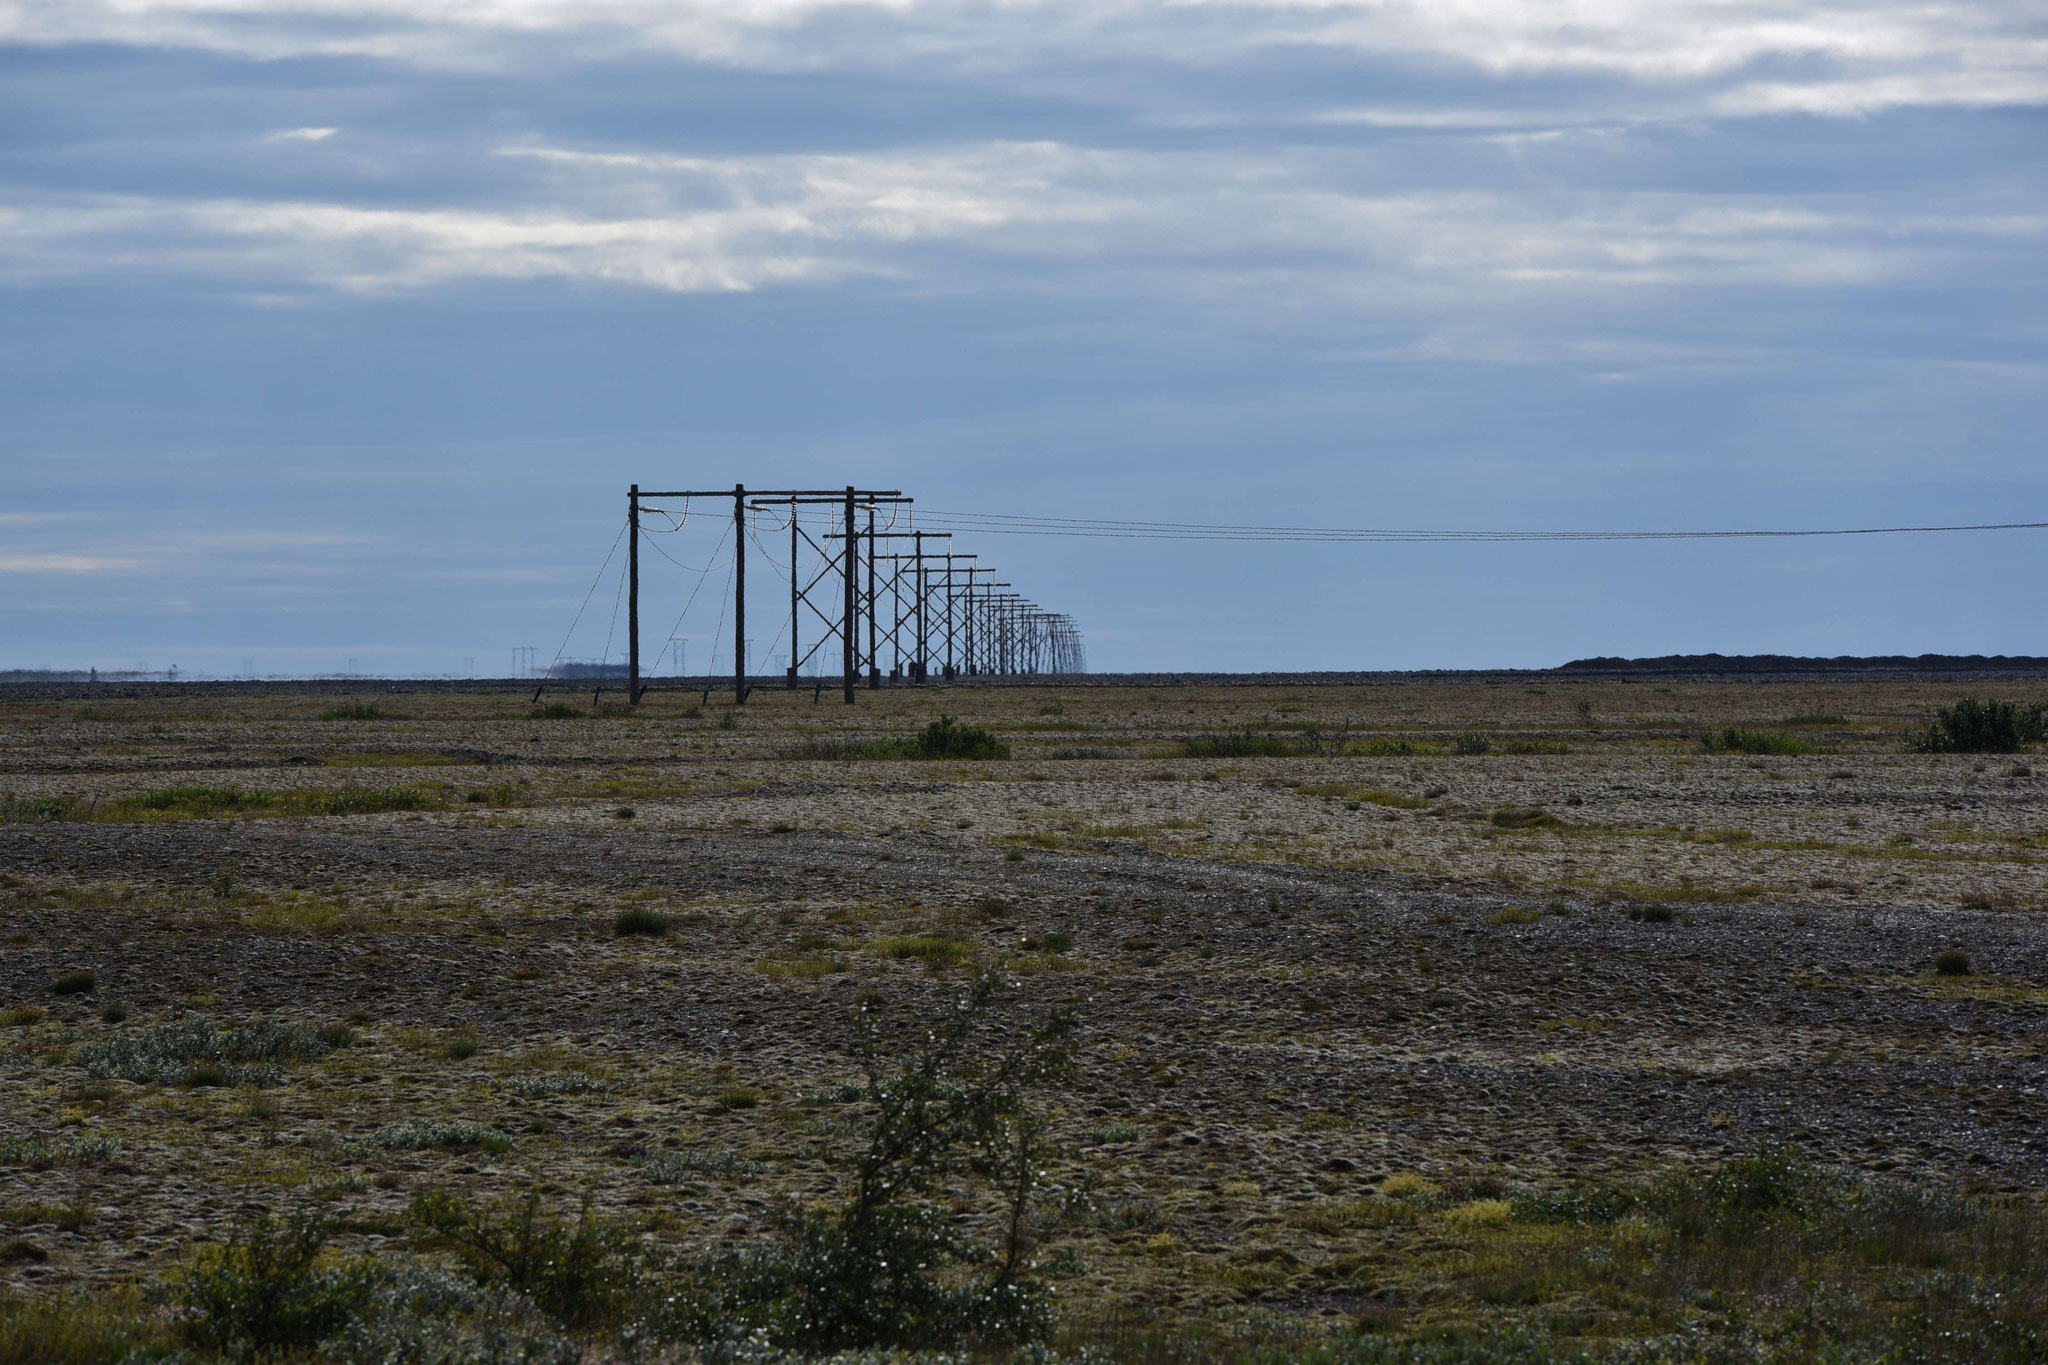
[[934, 611]]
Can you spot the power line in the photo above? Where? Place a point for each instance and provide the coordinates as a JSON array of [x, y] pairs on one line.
[[996, 523]]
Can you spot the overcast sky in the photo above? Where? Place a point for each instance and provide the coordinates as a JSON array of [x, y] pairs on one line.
[[334, 330]]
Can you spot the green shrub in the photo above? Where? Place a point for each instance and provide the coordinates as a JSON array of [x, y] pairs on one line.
[[81, 982], [359, 801], [945, 738], [583, 1273], [673, 1168], [34, 810], [70, 1149], [1472, 742], [1733, 741], [1953, 962], [268, 1288], [1244, 744], [192, 1052], [415, 1135], [1972, 726], [556, 710], [191, 801], [890, 1263], [640, 919]]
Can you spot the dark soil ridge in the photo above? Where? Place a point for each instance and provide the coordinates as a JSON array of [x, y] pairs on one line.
[[35, 685]]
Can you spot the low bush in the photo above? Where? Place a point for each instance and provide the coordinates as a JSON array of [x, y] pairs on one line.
[[75, 983], [415, 1135], [268, 1288], [583, 1273], [557, 710], [69, 1149], [1249, 743], [1953, 962], [942, 738], [194, 1052], [889, 1264], [640, 919], [674, 1168], [1733, 741], [34, 810], [1472, 743], [1974, 726]]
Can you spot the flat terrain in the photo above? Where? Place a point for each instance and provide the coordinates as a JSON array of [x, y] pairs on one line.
[[1585, 948]]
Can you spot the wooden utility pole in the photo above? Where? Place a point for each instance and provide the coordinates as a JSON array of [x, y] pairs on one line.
[[632, 597]]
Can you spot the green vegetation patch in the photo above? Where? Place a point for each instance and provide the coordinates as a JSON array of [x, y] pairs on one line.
[[1974, 726], [1734, 741], [200, 1052], [933, 948], [416, 1135], [942, 738]]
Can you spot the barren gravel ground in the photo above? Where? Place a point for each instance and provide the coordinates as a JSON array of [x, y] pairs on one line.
[[1297, 975]]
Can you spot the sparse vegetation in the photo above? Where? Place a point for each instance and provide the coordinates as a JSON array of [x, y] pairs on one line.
[[357, 711], [1952, 962], [199, 1052], [942, 738], [414, 1135], [1737, 741], [1307, 969]]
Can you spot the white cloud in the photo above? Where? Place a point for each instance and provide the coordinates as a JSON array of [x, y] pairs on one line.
[[44, 563], [303, 135], [1260, 224], [1862, 54]]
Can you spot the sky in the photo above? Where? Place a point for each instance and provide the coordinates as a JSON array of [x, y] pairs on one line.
[[333, 331]]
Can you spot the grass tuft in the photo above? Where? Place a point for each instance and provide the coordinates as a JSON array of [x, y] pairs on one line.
[[641, 919], [80, 982]]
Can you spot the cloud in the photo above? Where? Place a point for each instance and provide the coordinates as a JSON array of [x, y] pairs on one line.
[[1855, 54], [303, 135], [41, 563], [1288, 225]]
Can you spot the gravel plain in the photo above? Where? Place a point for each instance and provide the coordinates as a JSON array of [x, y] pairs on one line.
[[1594, 950]]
